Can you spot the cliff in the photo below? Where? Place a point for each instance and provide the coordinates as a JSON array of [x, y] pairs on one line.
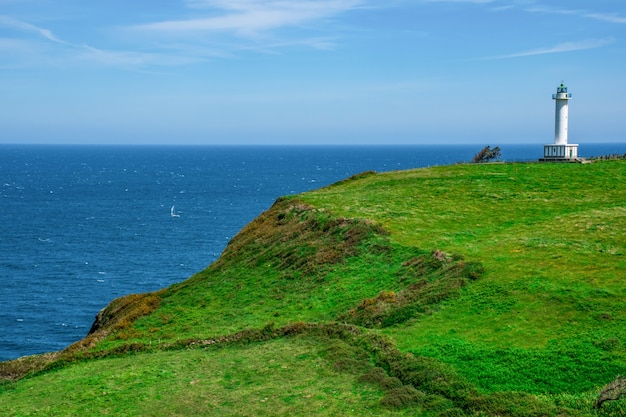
[[488, 289]]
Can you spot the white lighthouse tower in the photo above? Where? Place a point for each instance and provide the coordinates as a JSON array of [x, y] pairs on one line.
[[560, 150]]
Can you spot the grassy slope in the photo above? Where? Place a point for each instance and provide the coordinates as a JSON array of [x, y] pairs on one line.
[[281, 377], [551, 238], [546, 317]]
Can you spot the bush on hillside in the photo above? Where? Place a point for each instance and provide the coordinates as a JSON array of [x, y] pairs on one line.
[[404, 396], [487, 154], [429, 279], [612, 391]]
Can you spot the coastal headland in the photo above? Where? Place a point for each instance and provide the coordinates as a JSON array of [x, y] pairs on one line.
[[458, 290]]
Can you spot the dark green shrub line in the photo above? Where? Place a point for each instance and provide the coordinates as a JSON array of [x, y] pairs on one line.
[[433, 277], [295, 236], [412, 381], [407, 380], [612, 391], [441, 390]]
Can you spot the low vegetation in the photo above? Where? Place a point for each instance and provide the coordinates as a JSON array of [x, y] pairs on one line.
[[465, 290], [612, 391], [487, 154]]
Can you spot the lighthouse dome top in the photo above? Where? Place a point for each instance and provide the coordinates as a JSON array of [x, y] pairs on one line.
[[561, 93]]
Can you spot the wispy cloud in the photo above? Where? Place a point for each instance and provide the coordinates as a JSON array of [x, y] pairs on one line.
[[250, 17], [131, 60], [605, 17], [43, 49], [30, 44], [460, 1], [231, 27], [557, 49], [10, 22]]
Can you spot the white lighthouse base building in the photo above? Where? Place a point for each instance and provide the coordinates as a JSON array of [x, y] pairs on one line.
[[556, 153]]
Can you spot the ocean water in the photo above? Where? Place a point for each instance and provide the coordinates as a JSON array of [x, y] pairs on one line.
[[83, 225]]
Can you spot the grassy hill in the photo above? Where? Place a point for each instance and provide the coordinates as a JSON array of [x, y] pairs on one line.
[[463, 290]]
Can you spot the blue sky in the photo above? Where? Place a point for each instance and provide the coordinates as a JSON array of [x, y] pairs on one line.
[[310, 72]]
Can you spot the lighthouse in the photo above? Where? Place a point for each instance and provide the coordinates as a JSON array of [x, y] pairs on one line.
[[560, 150]]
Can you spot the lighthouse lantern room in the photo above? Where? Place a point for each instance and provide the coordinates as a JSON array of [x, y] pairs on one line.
[[560, 150]]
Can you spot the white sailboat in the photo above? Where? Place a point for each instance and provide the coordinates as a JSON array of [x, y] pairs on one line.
[[173, 212]]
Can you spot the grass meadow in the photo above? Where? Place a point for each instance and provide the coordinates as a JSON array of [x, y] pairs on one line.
[[461, 290]]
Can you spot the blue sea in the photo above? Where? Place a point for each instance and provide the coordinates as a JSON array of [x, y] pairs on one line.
[[83, 225]]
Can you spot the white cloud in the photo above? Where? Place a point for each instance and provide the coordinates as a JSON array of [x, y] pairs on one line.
[[560, 48], [130, 60], [605, 17], [248, 17], [461, 1], [29, 51], [27, 27], [232, 26]]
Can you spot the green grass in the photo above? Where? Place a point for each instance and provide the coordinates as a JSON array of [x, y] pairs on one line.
[[551, 238], [541, 234], [280, 377], [490, 289]]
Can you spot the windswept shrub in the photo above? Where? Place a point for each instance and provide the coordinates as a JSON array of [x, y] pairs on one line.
[[401, 314], [123, 311], [296, 328], [374, 376], [487, 154], [18, 368], [377, 376], [439, 404], [612, 391], [472, 270], [347, 357], [515, 404], [404, 396], [452, 412], [297, 238], [609, 344], [432, 278]]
